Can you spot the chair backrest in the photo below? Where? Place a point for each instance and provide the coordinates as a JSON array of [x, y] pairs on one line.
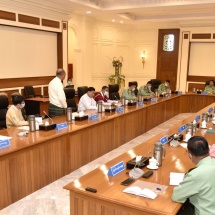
[[155, 84], [113, 91], [70, 86], [29, 91], [82, 90], [70, 100], [136, 84], [3, 110]]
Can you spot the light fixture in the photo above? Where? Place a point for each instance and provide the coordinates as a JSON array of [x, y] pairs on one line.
[[88, 12], [143, 56], [113, 20]]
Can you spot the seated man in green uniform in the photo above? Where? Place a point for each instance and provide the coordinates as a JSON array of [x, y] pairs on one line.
[[128, 93], [145, 90], [198, 184], [163, 88], [210, 88]]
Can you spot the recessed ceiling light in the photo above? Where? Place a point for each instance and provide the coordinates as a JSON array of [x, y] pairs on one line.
[[88, 12], [113, 20], [121, 21]]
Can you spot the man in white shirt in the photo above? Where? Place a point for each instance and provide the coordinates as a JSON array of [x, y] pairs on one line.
[[57, 98], [14, 114], [87, 101]]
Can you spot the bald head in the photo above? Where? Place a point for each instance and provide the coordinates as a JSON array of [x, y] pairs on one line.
[[60, 73]]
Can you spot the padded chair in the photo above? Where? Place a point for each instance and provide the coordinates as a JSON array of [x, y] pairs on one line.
[[70, 100], [29, 92], [114, 92], [81, 91], [70, 86], [155, 84], [136, 84], [3, 110]]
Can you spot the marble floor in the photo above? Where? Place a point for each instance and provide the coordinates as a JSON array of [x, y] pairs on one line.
[[54, 200]]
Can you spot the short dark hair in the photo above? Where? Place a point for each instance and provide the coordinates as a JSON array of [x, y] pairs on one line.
[[198, 146], [90, 89], [60, 72], [212, 81], [149, 82], [168, 81], [131, 84], [104, 87], [17, 99]]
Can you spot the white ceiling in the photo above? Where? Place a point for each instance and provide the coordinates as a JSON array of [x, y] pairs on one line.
[[128, 11]]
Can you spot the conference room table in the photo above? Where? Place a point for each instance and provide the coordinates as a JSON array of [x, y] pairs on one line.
[[110, 198], [34, 161]]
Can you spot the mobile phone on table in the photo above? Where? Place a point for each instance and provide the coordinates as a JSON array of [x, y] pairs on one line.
[[127, 181]]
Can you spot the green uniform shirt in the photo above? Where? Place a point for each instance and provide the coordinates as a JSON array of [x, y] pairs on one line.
[[128, 94], [162, 88], [145, 91], [209, 89], [199, 187]]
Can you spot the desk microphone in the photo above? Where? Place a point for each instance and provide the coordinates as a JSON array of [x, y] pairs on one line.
[[48, 116], [116, 97]]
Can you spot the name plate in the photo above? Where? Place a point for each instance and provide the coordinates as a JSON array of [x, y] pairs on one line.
[[4, 143], [94, 117], [197, 118], [204, 93], [153, 99], [61, 126], [117, 168], [163, 140], [179, 92], [120, 109], [140, 104], [210, 110], [182, 128]]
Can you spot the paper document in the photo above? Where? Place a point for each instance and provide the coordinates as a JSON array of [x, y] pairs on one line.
[[24, 128], [184, 145], [176, 178], [4, 138]]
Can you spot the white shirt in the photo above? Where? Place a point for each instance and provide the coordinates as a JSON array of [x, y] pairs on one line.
[[86, 103], [56, 93]]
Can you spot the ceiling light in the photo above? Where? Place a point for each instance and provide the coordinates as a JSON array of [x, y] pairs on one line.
[[113, 20], [121, 21], [88, 12]]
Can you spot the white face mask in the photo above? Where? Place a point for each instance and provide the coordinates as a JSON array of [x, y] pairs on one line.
[[105, 93], [22, 105], [133, 89], [166, 85], [149, 87]]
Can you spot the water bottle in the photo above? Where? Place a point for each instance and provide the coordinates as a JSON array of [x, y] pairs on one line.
[[123, 100], [69, 114], [99, 106], [32, 123], [159, 153]]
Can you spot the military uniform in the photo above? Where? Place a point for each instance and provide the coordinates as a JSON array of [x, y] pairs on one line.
[[145, 91], [210, 89], [129, 94], [199, 187], [162, 88]]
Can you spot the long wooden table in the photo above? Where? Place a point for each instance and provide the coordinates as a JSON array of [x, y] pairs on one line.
[[110, 200], [32, 162]]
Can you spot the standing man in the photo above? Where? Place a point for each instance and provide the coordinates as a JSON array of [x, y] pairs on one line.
[[145, 90], [198, 185], [57, 98], [163, 88]]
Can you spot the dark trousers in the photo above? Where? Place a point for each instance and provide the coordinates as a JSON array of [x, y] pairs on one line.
[[187, 209]]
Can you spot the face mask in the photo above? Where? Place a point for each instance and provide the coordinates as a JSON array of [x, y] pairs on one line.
[[105, 93], [69, 82], [166, 85], [133, 89], [22, 105], [149, 87]]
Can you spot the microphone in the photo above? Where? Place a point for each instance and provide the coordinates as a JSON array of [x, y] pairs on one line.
[[48, 116], [115, 97]]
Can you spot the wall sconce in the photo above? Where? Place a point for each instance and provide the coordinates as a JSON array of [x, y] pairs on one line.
[[143, 56]]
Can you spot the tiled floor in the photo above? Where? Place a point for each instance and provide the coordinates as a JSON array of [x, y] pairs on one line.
[[54, 200]]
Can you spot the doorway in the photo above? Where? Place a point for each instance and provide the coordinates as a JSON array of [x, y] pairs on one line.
[[167, 58]]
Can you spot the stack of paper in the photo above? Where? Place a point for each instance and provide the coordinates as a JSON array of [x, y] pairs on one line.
[[176, 178]]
